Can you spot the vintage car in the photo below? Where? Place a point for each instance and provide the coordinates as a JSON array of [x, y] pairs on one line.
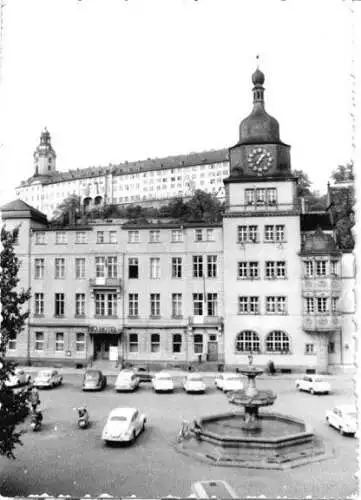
[[48, 378], [314, 384], [94, 380], [229, 382], [143, 373], [163, 382], [127, 380], [343, 418], [194, 383], [19, 378], [123, 425]]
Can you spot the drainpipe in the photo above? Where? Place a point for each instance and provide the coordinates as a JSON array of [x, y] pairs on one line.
[[28, 357]]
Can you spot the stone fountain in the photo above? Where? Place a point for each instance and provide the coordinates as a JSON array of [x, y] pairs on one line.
[[253, 439]]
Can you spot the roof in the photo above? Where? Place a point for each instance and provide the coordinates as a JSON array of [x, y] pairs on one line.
[[187, 160], [122, 411], [312, 220], [319, 243], [18, 208]]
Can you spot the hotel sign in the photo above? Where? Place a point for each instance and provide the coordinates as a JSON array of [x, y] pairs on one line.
[[104, 329]]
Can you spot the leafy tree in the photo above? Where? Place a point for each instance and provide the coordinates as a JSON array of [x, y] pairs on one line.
[[175, 209], [342, 201], [204, 207], [304, 183], [68, 211], [343, 173], [13, 405]]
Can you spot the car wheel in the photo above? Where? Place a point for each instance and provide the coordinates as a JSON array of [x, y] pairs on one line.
[[342, 432], [326, 392], [134, 436]]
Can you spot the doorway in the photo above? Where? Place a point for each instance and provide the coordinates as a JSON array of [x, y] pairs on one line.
[[212, 351], [102, 344]]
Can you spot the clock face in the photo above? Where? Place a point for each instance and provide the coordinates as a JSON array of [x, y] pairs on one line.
[[260, 160]]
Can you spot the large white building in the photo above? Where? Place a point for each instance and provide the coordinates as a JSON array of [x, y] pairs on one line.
[[147, 181]]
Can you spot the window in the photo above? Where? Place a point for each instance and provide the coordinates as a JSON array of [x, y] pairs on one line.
[[198, 304], [100, 236], [331, 347], [177, 342], [39, 341], [309, 349], [280, 233], [198, 235], [61, 238], [155, 305], [242, 270], [269, 233], [154, 268], [80, 304], [275, 269], [197, 266], [39, 304], [253, 269], [59, 304], [274, 233], [198, 343], [105, 304], [210, 235], [80, 268], [80, 342], [212, 302], [133, 342], [321, 268], [155, 342], [112, 236], [12, 344], [250, 196], [133, 236], [212, 266], [176, 305], [260, 196], [176, 267], [334, 267], [40, 238], [154, 236], [133, 305], [112, 266], [334, 304], [277, 341], [39, 269], [100, 267], [308, 268], [80, 237], [276, 305], [321, 304], [242, 234], [59, 341], [133, 268], [248, 270], [247, 341], [309, 305], [59, 268], [248, 305], [271, 195], [253, 233], [177, 235]]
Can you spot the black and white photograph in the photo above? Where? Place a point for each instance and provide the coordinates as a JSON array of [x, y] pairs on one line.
[[179, 290]]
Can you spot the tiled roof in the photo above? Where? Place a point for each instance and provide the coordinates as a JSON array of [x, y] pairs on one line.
[[188, 160], [20, 206], [312, 220]]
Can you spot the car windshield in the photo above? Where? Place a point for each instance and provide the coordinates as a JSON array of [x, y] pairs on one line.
[[196, 378], [92, 376], [118, 418], [318, 379], [125, 376], [44, 374], [350, 414], [164, 377]]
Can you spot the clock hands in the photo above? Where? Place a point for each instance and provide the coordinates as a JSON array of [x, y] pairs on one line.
[[260, 158]]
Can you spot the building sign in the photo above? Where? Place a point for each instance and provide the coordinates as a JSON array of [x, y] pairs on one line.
[[104, 329], [113, 353]]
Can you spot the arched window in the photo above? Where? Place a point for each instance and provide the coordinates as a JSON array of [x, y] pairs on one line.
[[177, 342], [98, 200], [155, 342], [247, 341], [277, 341]]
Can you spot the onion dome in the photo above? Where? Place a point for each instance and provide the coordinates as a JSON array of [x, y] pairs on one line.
[[259, 126]]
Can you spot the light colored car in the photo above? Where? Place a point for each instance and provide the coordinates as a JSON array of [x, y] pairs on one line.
[[194, 383], [163, 382], [343, 418], [123, 425], [127, 381], [48, 378], [313, 384], [228, 382], [19, 378]]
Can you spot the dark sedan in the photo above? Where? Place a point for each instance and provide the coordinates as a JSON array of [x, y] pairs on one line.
[[141, 371], [94, 380]]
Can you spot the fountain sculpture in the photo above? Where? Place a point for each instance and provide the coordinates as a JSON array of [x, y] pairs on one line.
[[252, 439]]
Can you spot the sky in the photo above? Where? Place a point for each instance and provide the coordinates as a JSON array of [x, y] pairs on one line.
[[117, 80]]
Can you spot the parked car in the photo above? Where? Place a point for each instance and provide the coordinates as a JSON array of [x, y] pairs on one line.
[[343, 418], [19, 378], [143, 373], [48, 378], [127, 380], [314, 384], [94, 380], [163, 382], [229, 382], [123, 425], [194, 383]]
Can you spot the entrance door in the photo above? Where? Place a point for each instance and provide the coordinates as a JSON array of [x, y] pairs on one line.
[[102, 344], [212, 351]]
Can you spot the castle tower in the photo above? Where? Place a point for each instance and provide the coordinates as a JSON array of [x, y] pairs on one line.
[[44, 156]]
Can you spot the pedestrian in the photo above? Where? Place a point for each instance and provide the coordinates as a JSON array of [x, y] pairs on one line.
[[34, 398]]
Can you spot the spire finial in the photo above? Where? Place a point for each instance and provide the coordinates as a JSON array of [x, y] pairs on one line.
[[257, 59]]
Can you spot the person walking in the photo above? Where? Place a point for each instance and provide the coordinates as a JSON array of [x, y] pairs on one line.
[[34, 398]]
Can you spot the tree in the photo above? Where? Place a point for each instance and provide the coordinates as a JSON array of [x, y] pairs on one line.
[[13, 405], [304, 183], [204, 207], [68, 211], [343, 173]]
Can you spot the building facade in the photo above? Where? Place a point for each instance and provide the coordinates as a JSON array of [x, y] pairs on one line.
[[268, 279]]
